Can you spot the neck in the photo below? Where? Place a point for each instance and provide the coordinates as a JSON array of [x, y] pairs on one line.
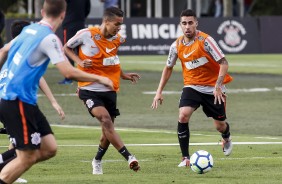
[[104, 31], [54, 23]]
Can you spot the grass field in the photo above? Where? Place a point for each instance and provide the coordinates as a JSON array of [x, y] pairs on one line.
[[254, 113]]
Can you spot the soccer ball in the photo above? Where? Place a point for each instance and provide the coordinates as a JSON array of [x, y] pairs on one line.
[[201, 162]]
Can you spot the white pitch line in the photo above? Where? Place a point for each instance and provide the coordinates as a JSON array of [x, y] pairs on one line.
[[150, 131], [229, 158], [176, 144], [171, 144], [247, 158], [243, 90]]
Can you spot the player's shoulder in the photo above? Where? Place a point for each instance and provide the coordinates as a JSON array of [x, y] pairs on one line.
[[51, 38], [202, 36], [50, 41], [85, 31]]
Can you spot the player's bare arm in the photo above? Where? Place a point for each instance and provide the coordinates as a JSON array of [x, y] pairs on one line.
[[71, 54], [167, 71], [218, 95], [133, 77], [46, 90], [68, 71]]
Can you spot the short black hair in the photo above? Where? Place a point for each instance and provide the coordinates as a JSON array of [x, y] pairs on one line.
[[188, 13], [111, 12], [17, 27]]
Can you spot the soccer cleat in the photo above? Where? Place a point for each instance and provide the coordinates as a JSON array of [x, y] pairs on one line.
[[227, 146], [184, 163], [133, 163], [97, 166], [65, 81], [20, 180]]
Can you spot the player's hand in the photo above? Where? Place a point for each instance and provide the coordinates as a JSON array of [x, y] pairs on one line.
[[158, 99], [86, 63], [218, 96], [133, 77], [59, 109], [106, 81]]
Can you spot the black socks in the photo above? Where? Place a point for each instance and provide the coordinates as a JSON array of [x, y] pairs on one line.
[[100, 153], [183, 134], [226, 133], [124, 152]]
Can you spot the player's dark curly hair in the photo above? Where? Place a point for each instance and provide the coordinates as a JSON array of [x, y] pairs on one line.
[[17, 27], [188, 13], [111, 12]]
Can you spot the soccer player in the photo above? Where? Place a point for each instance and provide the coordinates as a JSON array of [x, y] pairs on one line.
[[98, 48], [28, 58], [204, 70], [7, 156]]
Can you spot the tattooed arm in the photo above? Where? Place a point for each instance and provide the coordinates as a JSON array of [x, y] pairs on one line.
[[219, 96]]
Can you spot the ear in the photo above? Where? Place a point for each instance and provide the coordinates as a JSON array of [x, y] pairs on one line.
[[196, 23], [42, 12], [62, 16]]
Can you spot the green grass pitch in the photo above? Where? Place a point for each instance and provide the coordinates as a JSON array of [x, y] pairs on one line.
[[254, 117]]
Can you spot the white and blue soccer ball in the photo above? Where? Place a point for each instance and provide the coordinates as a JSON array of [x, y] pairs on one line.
[[201, 162]]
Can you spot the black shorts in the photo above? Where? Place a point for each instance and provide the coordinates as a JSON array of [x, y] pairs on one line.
[[106, 99], [193, 98], [25, 123]]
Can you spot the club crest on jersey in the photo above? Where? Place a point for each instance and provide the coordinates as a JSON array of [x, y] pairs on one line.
[[97, 37], [121, 40], [201, 38], [233, 32]]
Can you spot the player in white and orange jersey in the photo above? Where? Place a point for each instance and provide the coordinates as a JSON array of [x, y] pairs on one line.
[[204, 70], [98, 48]]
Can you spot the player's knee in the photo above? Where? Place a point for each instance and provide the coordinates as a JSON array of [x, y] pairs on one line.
[[48, 153], [183, 118], [106, 122], [52, 151]]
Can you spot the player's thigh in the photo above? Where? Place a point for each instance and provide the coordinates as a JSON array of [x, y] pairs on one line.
[[102, 114], [28, 157], [216, 111]]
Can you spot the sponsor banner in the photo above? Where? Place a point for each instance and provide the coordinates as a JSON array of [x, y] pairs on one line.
[[233, 35], [155, 35]]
